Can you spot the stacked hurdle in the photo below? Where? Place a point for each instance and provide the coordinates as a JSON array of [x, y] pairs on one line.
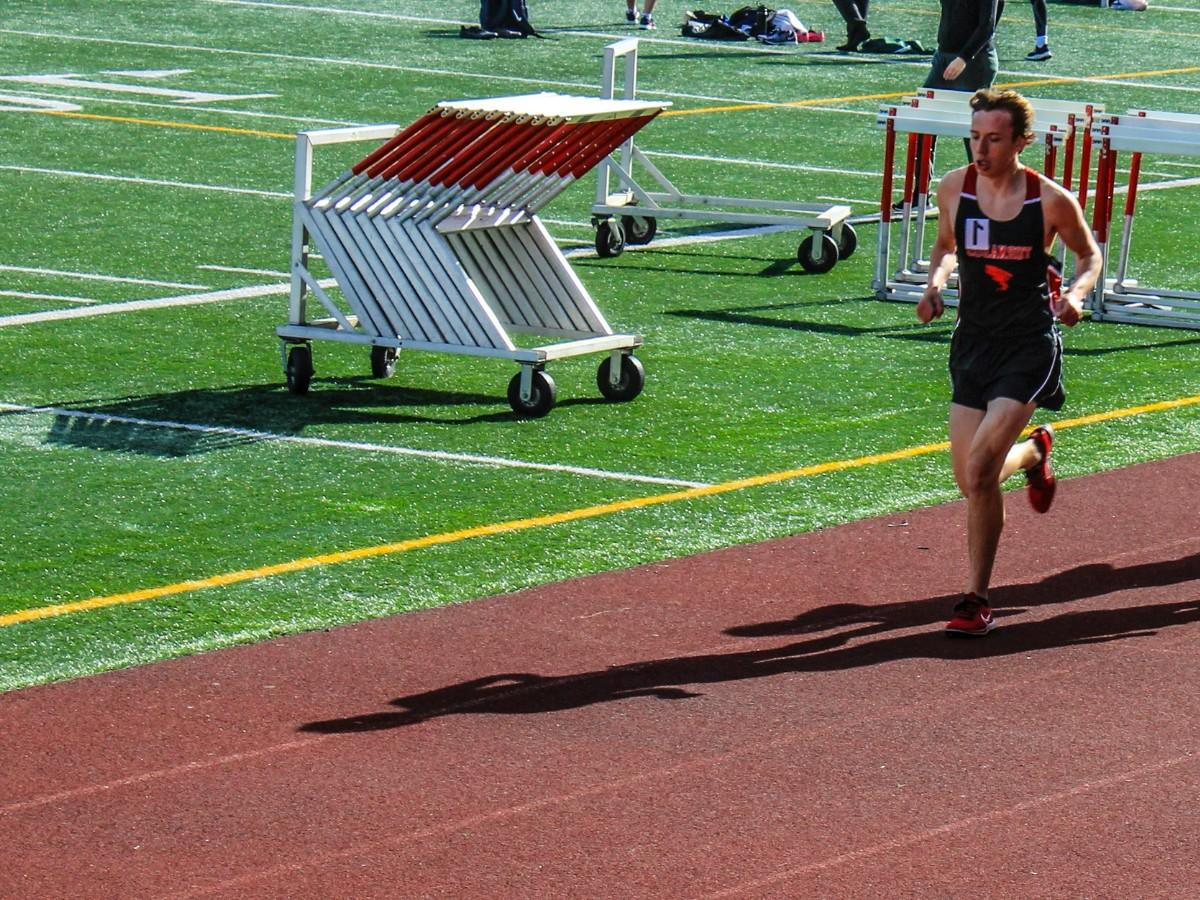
[[434, 241], [1061, 128], [1122, 299]]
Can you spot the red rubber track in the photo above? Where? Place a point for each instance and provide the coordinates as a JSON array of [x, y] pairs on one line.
[[783, 719]]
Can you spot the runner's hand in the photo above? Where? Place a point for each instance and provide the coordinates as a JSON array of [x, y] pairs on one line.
[[930, 306], [1068, 309]]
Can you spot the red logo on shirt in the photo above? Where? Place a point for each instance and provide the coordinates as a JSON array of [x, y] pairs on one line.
[[1001, 277]]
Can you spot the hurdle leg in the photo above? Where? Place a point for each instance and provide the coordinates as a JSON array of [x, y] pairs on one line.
[[300, 236], [885, 214], [1135, 166], [923, 179], [910, 165]]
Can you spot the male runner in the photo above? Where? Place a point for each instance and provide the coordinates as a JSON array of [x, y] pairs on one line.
[[996, 219]]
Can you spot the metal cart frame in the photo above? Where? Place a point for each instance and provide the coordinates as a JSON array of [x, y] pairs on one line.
[[629, 214]]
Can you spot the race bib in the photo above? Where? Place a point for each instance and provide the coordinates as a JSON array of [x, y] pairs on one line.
[[977, 237]]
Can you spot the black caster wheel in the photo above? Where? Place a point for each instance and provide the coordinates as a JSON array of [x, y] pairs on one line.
[[630, 383], [825, 258], [848, 242], [639, 229], [383, 362], [542, 394], [299, 369], [610, 239]]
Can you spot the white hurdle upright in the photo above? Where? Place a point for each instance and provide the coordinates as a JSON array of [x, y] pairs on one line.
[[630, 214], [1122, 298], [924, 118], [434, 241]]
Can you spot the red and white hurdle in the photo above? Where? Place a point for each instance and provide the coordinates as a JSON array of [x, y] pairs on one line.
[[435, 244], [1122, 298], [924, 117]]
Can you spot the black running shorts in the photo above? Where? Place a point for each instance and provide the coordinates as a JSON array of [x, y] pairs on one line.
[[1026, 369]]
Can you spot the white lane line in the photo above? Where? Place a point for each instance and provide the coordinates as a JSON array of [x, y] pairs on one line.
[[30, 295], [270, 273], [92, 276], [225, 111], [1161, 185], [441, 455], [336, 10], [490, 77], [153, 182], [104, 309], [758, 164]]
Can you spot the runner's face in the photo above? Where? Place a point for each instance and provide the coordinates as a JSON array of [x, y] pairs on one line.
[[993, 145]]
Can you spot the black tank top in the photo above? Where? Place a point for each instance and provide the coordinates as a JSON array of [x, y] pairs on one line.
[[1002, 265]]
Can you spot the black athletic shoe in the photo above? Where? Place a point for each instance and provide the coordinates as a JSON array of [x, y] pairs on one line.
[[856, 33], [476, 33], [1039, 53]]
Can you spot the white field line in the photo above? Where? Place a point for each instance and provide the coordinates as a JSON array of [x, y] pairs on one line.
[[490, 77], [245, 113], [572, 253], [922, 63], [1161, 185], [280, 195], [63, 298], [397, 17], [336, 10], [758, 164], [320, 60], [270, 273], [91, 276], [153, 182], [440, 455], [104, 309], [711, 237]]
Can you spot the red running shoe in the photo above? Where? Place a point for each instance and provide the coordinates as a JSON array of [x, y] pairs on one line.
[[1040, 477], [972, 617]]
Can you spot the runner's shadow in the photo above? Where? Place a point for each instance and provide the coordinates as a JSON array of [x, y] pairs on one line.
[[524, 693], [1062, 587], [907, 332]]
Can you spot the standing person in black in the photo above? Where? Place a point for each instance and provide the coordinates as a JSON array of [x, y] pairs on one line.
[[996, 219], [854, 12], [965, 59], [1041, 46]]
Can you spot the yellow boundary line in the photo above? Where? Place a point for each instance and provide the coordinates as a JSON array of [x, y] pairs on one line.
[[825, 101], [161, 123], [705, 110], [514, 525]]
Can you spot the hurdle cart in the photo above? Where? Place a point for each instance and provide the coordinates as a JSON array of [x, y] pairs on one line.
[[923, 118], [1121, 298], [629, 214], [435, 244]]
